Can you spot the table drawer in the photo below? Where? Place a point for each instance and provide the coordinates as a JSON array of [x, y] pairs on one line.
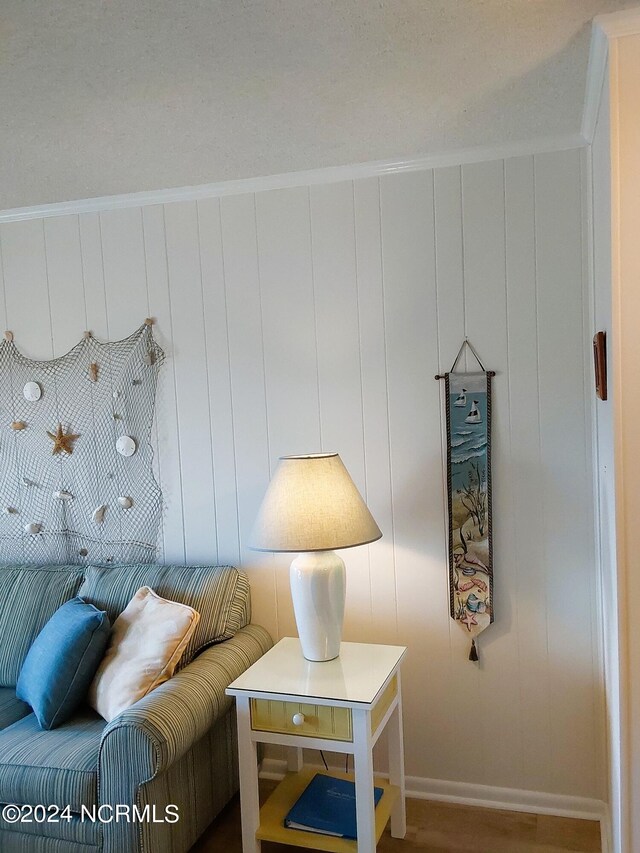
[[319, 721]]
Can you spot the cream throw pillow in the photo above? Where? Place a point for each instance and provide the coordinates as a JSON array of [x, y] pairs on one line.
[[147, 641]]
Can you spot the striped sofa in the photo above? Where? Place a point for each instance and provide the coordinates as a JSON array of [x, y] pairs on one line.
[[174, 748]]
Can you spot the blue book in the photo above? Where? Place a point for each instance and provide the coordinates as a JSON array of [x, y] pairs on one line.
[[327, 806]]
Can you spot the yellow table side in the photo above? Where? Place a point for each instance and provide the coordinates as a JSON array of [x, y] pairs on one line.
[[274, 811], [382, 705]]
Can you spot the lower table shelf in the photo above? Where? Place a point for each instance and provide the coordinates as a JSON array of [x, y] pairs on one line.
[[274, 811]]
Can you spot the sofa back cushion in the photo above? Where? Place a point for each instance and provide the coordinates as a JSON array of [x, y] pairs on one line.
[[29, 596], [220, 594]]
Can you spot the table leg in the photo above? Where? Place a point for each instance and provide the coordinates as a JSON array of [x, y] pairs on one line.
[[294, 759], [396, 767], [363, 768], [248, 761]]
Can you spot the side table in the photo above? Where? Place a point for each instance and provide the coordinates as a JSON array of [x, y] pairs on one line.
[[342, 705]]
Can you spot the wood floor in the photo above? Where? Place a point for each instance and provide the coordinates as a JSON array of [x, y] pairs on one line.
[[440, 828]]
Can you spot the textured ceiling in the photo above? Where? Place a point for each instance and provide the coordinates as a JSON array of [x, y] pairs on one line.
[[109, 96]]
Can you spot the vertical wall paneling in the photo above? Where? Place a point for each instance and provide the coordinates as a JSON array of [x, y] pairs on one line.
[[600, 172], [168, 435], [408, 253], [219, 379], [290, 348], [68, 321], [486, 316], [250, 411], [154, 439], [190, 353], [288, 305], [339, 364], [451, 310], [375, 407], [64, 272], [565, 475], [25, 270], [246, 357], [315, 318], [449, 263], [123, 259], [126, 304], [530, 562], [589, 399], [93, 273]]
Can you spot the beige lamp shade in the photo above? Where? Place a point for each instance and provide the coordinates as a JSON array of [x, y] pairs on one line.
[[312, 504]]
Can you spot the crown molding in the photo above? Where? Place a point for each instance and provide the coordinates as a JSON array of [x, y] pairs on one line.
[[605, 28], [328, 175], [596, 72], [618, 24]]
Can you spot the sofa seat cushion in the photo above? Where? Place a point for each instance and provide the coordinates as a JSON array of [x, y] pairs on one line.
[[220, 594], [11, 708], [58, 767], [30, 595]]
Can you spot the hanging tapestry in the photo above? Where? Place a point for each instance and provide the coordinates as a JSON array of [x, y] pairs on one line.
[[76, 476], [468, 417]]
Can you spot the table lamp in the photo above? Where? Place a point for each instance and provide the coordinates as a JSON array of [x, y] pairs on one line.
[[311, 507]]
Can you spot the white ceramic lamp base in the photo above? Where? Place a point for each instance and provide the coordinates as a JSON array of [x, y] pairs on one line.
[[318, 585]]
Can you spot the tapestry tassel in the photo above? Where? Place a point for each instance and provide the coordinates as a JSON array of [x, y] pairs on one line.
[[473, 653]]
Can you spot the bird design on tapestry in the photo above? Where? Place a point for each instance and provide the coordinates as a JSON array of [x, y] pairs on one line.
[[62, 441]]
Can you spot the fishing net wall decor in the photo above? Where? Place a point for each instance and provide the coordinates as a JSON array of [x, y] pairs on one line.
[[76, 477]]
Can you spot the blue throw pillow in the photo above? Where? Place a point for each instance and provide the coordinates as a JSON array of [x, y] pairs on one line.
[[62, 661]]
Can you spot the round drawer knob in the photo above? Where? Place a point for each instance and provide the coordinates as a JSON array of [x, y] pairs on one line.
[[297, 719]]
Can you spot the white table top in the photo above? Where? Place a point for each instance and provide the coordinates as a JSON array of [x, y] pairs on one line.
[[357, 675]]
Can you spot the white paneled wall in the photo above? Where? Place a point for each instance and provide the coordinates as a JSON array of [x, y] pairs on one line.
[[315, 318], [600, 154]]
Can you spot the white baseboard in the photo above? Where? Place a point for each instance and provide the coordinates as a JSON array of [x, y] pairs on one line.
[[273, 768], [510, 799], [485, 796]]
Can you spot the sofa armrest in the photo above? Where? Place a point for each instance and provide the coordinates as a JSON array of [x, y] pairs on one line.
[[147, 738], [178, 713]]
